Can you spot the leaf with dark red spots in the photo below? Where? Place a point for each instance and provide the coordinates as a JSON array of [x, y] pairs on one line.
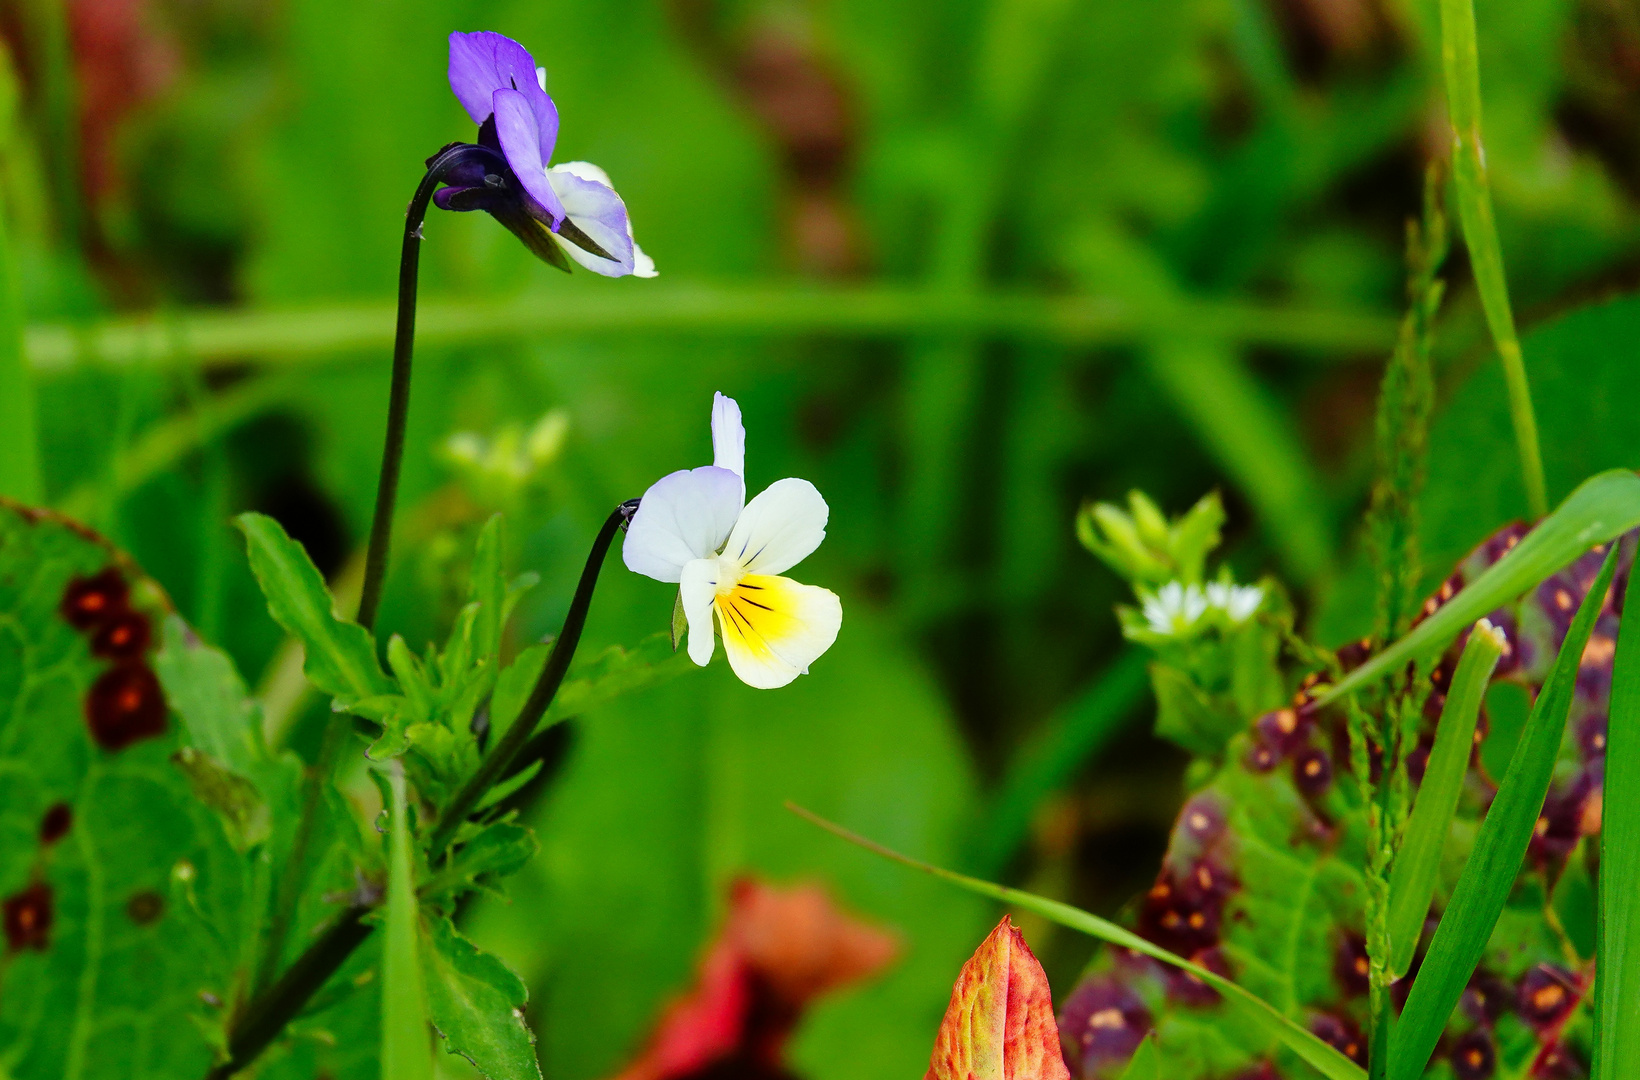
[[55, 823], [125, 705], [27, 917], [92, 601], [1284, 846], [124, 637], [94, 822], [1474, 1057]]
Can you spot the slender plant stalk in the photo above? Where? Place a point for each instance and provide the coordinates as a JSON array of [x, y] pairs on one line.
[[274, 1006], [495, 764], [318, 777], [398, 394], [266, 1015], [1461, 62]]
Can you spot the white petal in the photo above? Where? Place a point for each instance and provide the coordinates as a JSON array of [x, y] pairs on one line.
[[774, 628], [780, 528], [684, 516], [642, 264], [541, 77], [728, 435], [590, 201], [698, 588]]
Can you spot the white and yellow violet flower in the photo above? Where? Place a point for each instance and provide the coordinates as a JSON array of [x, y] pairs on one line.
[[695, 528]]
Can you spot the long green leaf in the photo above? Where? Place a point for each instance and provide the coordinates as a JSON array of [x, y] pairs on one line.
[[1617, 989], [1489, 876], [340, 656], [1325, 1059], [346, 331], [1418, 862], [406, 1047], [1603, 507], [1461, 63]]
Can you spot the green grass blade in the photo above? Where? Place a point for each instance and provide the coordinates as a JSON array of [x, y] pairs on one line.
[[1049, 760], [19, 442], [1617, 980], [1461, 63], [345, 332], [1326, 1060], [1603, 507], [1418, 862], [1489, 876], [407, 1052]]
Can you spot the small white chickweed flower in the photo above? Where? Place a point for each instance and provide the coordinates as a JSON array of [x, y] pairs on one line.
[[1174, 608], [694, 527], [1239, 602]]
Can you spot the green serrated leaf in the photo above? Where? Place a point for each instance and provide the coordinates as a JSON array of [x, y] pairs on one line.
[[340, 655], [420, 695], [1418, 860], [500, 850], [477, 1004], [1489, 876]]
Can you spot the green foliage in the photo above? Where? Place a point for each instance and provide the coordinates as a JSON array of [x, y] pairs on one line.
[[1460, 56], [405, 1050], [1617, 992], [1405, 401], [1601, 509], [1269, 1024], [1144, 547], [1488, 876], [477, 1004], [130, 900], [340, 657], [1418, 859]]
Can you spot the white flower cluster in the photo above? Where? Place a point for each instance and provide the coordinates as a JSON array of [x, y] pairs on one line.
[[1176, 608]]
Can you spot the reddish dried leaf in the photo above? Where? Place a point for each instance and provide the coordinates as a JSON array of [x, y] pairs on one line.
[[1000, 1024]]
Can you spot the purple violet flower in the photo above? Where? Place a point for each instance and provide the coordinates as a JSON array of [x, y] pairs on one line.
[[556, 210]]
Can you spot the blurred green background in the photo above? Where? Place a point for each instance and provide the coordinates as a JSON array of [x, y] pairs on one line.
[[964, 263]]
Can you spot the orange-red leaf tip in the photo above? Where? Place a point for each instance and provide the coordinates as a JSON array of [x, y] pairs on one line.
[[1000, 1023]]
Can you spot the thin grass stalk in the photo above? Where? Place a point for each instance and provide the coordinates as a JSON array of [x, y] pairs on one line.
[[1461, 63], [1617, 977]]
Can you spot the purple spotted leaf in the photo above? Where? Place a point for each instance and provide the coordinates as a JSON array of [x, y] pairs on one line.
[[1264, 881]]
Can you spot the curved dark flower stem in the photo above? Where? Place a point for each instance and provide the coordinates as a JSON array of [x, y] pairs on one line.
[[334, 742], [398, 394], [501, 755], [270, 1009], [266, 1015]]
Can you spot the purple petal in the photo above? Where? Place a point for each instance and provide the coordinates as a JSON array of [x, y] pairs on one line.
[[482, 63], [515, 128]]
